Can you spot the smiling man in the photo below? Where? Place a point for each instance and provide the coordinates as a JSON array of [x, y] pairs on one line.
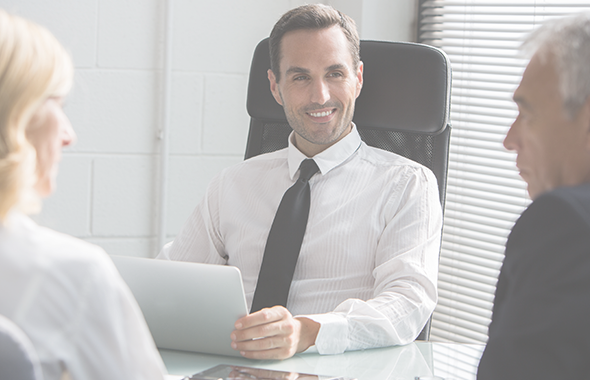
[[367, 263], [542, 305], [319, 111]]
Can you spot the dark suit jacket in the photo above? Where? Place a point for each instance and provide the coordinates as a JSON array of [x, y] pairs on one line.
[[541, 318]]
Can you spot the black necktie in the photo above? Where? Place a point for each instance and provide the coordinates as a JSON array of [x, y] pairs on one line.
[[284, 242]]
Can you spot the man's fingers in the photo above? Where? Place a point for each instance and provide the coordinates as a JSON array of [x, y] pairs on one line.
[[268, 343], [272, 329], [275, 354], [255, 345], [261, 317], [270, 333]]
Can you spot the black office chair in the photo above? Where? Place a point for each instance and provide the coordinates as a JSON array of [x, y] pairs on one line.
[[403, 107]]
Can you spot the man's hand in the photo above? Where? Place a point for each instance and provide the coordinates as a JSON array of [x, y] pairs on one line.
[[273, 334]]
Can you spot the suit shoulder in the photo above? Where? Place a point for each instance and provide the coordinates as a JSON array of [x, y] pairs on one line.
[[575, 199], [558, 209], [557, 221]]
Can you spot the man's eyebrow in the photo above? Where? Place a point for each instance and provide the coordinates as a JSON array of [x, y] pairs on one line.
[[337, 66], [296, 69], [301, 70]]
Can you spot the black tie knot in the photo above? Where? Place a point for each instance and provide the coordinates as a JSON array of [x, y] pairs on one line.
[[307, 169]]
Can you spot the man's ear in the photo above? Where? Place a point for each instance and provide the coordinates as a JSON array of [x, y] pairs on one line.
[[359, 77], [274, 86]]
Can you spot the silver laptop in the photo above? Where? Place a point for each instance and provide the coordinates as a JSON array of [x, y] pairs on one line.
[[187, 306]]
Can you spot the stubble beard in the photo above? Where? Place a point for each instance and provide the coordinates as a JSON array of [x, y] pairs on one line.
[[297, 123]]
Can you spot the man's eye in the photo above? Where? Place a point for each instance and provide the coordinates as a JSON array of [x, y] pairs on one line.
[[300, 78], [336, 74]]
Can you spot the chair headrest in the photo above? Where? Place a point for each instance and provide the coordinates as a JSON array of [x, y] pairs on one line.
[[402, 90]]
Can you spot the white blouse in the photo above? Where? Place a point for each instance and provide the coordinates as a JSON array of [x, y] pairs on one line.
[[68, 297]]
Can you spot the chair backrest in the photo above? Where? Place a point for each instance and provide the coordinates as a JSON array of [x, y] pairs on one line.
[[403, 107], [18, 358]]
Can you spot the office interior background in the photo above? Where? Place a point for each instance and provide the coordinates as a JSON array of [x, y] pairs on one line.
[[159, 107]]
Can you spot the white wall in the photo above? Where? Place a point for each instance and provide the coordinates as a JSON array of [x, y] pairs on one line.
[[108, 182], [390, 20]]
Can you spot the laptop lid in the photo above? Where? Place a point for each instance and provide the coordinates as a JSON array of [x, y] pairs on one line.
[[187, 306]]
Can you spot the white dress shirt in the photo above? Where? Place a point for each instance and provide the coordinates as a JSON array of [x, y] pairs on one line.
[[368, 264], [69, 299]]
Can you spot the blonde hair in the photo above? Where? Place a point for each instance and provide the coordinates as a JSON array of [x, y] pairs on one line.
[[33, 67]]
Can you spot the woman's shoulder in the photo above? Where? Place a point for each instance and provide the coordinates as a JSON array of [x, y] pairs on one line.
[[49, 250]]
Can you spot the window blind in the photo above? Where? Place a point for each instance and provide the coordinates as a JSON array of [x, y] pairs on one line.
[[456, 361], [485, 194]]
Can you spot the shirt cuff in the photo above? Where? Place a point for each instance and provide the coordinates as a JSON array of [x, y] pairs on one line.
[[333, 335], [165, 252]]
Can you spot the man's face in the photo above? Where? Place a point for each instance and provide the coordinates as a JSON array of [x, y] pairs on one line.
[[318, 86], [552, 149]]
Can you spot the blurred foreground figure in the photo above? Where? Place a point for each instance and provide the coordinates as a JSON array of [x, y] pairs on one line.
[[65, 294]]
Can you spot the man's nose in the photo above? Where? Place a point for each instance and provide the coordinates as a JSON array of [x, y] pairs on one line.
[[320, 92], [510, 141]]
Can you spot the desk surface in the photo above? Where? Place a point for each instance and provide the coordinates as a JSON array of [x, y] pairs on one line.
[[447, 360]]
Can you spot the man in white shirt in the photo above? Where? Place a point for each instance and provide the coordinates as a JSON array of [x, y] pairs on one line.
[[367, 268]]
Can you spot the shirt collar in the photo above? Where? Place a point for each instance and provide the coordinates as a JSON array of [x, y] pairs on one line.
[[329, 158]]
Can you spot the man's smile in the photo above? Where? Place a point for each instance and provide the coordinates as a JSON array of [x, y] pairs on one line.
[[322, 114]]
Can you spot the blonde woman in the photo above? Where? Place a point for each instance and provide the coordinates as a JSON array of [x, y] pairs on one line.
[[65, 294]]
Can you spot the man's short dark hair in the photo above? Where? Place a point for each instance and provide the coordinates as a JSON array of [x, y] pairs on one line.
[[313, 16]]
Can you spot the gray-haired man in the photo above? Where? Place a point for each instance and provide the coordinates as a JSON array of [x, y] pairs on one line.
[[542, 307]]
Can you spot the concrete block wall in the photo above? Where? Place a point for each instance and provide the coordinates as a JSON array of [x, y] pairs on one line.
[[108, 185]]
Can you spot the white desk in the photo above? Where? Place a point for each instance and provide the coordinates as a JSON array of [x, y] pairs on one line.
[[449, 361]]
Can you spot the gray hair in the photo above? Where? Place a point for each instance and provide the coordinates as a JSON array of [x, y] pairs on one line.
[[567, 40]]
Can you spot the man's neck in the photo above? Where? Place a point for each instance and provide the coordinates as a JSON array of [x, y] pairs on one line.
[[310, 149]]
